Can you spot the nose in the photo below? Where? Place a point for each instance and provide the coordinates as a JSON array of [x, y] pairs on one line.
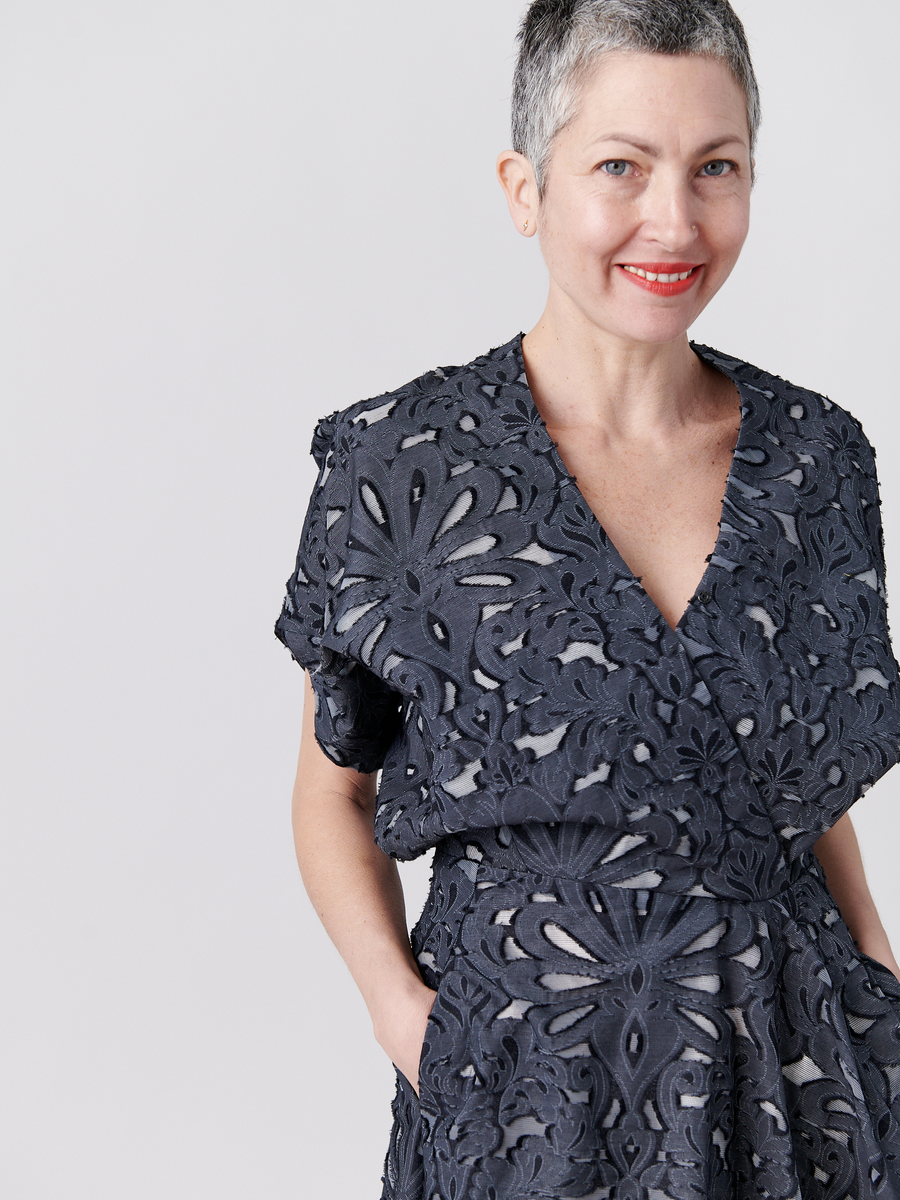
[[670, 217]]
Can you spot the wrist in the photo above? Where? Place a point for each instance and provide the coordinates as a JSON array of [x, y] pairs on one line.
[[875, 945], [394, 994]]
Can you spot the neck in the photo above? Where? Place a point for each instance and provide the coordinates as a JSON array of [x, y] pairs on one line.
[[583, 376]]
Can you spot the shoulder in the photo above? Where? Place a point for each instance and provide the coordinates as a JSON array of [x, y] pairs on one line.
[[386, 421], [794, 415]]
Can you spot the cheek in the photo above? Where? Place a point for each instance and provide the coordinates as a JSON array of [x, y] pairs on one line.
[[590, 218], [613, 224], [729, 228], [588, 234]]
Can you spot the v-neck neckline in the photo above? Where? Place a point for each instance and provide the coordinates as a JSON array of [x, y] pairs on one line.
[[594, 521]]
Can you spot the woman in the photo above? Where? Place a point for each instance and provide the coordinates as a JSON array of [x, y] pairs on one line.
[[607, 608]]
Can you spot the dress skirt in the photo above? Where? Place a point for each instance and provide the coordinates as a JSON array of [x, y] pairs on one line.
[[633, 1042]]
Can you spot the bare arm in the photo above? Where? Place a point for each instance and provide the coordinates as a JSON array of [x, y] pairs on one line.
[[356, 891], [838, 852]]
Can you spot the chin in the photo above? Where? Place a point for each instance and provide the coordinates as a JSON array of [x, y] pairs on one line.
[[644, 319], [652, 327]]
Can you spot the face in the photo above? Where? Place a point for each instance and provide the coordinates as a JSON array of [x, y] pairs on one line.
[[651, 178]]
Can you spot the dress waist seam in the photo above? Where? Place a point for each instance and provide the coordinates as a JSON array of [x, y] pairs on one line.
[[504, 854]]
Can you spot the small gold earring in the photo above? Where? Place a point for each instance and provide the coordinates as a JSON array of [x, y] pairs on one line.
[[694, 227], [525, 227]]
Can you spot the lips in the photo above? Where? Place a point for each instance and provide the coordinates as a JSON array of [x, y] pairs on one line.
[[662, 278]]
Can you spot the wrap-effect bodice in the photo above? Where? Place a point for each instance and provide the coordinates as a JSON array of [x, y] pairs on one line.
[[472, 631]]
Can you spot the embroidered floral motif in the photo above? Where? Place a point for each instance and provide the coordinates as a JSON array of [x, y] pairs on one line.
[[645, 990], [471, 629]]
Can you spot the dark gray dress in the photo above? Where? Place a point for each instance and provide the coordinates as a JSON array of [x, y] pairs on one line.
[[644, 987]]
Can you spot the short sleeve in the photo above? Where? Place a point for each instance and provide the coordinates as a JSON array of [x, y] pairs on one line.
[[870, 496], [357, 712], [871, 519], [875, 676]]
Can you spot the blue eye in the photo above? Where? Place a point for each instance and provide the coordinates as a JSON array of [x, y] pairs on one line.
[[617, 166], [717, 168]]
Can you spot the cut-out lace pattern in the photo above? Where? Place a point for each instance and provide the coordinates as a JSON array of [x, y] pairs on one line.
[[470, 629], [595, 1041]]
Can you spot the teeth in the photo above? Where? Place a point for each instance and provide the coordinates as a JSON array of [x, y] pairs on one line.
[[659, 278]]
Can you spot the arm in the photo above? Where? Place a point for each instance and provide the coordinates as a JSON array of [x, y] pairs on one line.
[[356, 891], [838, 852]]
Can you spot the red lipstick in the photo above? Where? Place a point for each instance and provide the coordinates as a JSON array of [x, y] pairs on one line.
[[678, 288]]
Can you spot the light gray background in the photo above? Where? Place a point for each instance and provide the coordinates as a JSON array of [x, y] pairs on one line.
[[220, 219]]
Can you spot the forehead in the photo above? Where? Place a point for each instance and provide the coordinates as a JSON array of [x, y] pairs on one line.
[[661, 94]]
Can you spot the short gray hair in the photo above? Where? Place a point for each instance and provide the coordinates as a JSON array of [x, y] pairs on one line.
[[559, 40]]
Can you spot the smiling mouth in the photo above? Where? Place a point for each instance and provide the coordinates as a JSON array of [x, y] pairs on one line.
[[658, 277]]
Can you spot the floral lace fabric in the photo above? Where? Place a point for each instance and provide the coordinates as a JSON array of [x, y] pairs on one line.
[[470, 630], [598, 1041]]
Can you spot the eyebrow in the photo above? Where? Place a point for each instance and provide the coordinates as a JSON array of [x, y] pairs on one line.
[[654, 151]]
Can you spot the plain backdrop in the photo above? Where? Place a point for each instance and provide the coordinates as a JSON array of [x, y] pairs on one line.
[[219, 220]]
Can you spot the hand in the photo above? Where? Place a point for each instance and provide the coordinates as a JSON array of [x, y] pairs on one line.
[[883, 954], [401, 1032]]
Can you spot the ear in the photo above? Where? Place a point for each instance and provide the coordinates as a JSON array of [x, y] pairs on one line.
[[516, 176]]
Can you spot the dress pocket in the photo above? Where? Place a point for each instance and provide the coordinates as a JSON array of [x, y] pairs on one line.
[[457, 1037], [437, 1040], [882, 974]]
